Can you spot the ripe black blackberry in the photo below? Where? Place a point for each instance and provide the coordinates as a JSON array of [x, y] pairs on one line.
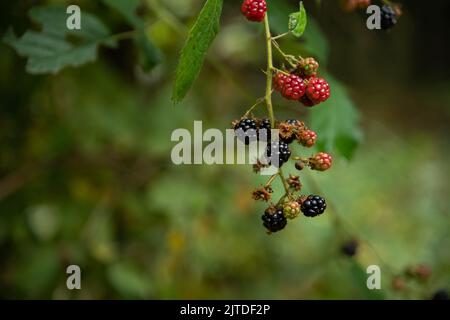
[[388, 17], [266, 125], [277, 153], [313, 206], [245, 125], [274, 219], [350, 248]]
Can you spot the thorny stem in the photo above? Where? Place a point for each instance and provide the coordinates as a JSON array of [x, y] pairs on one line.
[[269, 71]]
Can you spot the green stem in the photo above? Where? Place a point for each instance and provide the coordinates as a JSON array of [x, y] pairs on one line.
[[269, 182], [287, 57], [268, 96], [285, 184], [280, 36]]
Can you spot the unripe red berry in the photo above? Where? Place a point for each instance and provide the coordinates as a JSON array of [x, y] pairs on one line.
[[317, 90], [307, 138], [254, 10], [321, 161], [278, 81], [294, 87]]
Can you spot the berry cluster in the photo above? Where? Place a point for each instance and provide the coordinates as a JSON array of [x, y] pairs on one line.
[[277, 152], [302, 83]]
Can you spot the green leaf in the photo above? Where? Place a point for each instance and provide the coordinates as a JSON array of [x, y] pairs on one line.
[[298, 21], [50, 50], [337, 121], [149, 54], [193, 54]]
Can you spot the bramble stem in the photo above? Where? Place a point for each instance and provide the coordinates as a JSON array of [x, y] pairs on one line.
[[268, 96]]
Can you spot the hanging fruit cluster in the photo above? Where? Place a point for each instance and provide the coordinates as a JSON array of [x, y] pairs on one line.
[[299, 82]]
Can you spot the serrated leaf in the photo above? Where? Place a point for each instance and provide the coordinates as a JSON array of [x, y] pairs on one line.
[[337, 121], [298, 21], [49, 50], [193, 54], [149, 54]]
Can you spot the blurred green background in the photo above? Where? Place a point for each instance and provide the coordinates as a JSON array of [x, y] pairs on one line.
[[86, 176]]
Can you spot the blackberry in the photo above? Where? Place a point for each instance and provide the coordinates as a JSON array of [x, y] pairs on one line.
[[307, 138], [321, 161], [291, 209], [274, 219], [245, 125], [265, 125], [313, 206], [293, 87], [278, 81], [350, 248], [254, 10], [318, 90], [388, 17], [277, 153]]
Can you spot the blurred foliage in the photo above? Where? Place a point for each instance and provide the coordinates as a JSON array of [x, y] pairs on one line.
[[86, 176]]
